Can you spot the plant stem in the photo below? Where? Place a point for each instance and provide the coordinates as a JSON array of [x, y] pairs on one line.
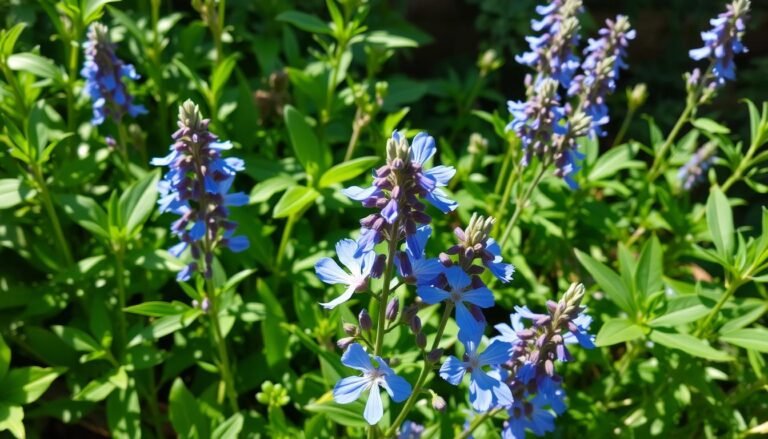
[[122, 341], [520, 205], [514, 178], [284, 241], [72, 72], [154, 410], [624, 127], [425, 371], [729, 291], [45, 195], [503, 170], [218, 339], [380, 330], [122, 148], [357, 125], [659, 159], [476, 423]]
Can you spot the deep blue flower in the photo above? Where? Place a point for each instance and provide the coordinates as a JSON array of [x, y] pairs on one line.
[[461, 293], [723, 42], [356, 279], [552, 53], [538, 119], [350, 389], [604, 58], [104, 73], [397, 188], [486, 390], [531, 415], [196, 187], [412, 264]]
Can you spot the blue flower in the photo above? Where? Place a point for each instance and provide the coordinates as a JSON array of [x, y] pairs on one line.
[[397, 188], [495, 265], [356, 279], [196, 187], [412, 264], [509, 334], [460, 293], [349, 389], [529, 415], [410, 430], [695, 170], [485, 389], [723, 42], [104, 73]]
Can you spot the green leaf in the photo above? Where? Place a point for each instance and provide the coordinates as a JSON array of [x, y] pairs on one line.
[[312, 156], [229, 429], [390, 41], [350, 415], [614, 160], [35, 64], [164, 326], [305, 22], [13, 191], [86, 212], [187, 419], [12, 419], [347, 170], [123, 19], [710, 126], [680, 310], [720, 222], [294, 200], [8, 38], [221, 74], [748, 338], [138, 202], [5, 358], [92, 10], [158, 309], [616, 331], [609, 281], [688, 344], [25, 385], [649, 271], [264, 190], [124, 413], [97, 390], [77, 339]]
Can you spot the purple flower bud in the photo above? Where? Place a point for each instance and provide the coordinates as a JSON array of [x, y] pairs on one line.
[[350, 329], [415, 324], [438, 403], [365, 320], [343, 343], [393, 307], [435, 355], [378, 266], [421, 340]]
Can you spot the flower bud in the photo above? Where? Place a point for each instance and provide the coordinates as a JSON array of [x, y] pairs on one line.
[[350, 329], [378, 266], [435, 355], [421, 340], [438, 403], [365, 320], [637, 96], [415, 324], [392, 309], [343, 343]]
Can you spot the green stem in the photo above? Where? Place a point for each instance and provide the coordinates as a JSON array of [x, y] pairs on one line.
[[287, 231], [388, 270], [503, 171], [157, 59], [218, 339], [425, 371], [122, 148], [72, 43], [729, 291], [357, 125], [122, 331], [45, 195], [504, 201], [477, 422], [154, 409], [520, 205], [624, 127], [659, 158]]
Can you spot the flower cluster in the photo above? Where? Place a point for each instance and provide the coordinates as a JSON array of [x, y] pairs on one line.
[[695, 170], [197, 189], [604, 57], [547, 126], [397, 187], [104, 72], [552, 53], [721, 44]]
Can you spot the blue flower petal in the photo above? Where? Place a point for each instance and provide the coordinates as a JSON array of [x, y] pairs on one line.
[[373, 408], [453, 370], [349, 389]]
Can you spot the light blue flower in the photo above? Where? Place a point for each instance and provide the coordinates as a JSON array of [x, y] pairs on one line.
[[356, 279], [531, 415], [485, 388], [350, 389], [410, 430], [460, 295], [496, 266]]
